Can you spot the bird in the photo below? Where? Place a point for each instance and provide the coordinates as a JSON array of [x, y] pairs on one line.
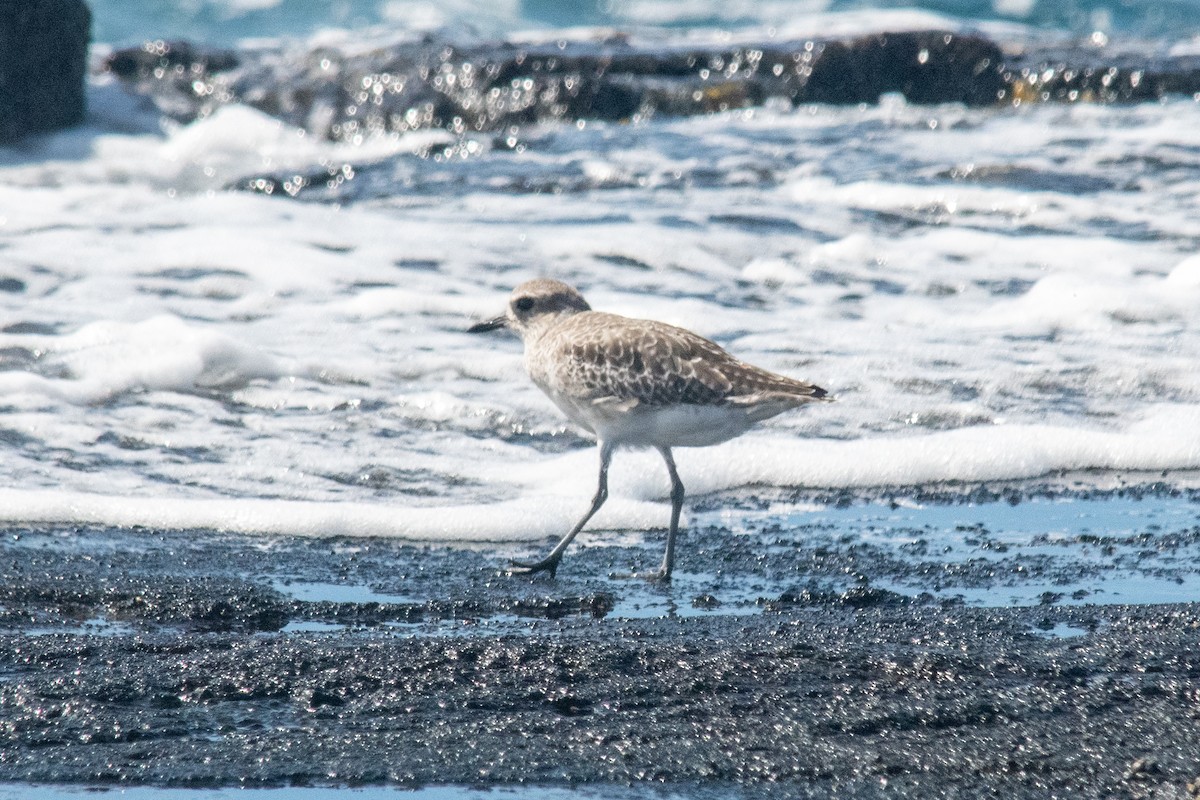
[[637, 383]]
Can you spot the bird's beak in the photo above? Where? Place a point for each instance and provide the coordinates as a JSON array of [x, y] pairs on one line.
[[489, 325]]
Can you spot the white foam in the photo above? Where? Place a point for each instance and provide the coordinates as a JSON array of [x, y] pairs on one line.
[[107, 358], [209, 359], [1167, 438], [557, 489], [500, 522], [1185, 277], [125, 143]]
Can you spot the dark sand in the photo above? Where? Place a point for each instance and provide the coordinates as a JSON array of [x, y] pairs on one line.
[[822, 655]]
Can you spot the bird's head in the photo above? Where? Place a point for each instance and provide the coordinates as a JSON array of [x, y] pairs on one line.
[[534, 304]]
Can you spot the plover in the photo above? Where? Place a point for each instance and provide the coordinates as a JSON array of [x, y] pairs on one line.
[[637, 383]]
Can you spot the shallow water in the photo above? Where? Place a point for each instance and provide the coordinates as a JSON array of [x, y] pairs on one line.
[[747, 556], [991, 294]]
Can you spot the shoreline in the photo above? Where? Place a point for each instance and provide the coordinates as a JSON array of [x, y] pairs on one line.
[[836, 653]]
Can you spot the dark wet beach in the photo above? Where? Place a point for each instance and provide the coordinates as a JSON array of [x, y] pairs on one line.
[[1009, 641]]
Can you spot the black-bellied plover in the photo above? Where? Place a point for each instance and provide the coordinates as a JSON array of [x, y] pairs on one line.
[[637, 383]]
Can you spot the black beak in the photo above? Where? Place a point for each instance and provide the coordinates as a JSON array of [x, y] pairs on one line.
[[489, 325]]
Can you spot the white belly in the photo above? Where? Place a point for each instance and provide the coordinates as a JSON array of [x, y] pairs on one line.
[[657, 426]]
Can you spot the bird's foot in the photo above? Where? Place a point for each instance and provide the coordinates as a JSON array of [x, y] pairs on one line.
[[548, 564]]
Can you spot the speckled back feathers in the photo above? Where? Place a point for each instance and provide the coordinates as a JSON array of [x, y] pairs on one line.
[[599, 357], [593, 355]]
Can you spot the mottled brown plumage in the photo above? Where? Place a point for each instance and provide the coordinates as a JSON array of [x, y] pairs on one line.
[[638, 383], [652, 363]]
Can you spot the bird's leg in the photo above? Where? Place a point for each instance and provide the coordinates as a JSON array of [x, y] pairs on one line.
[[676, 506], [550, 562]]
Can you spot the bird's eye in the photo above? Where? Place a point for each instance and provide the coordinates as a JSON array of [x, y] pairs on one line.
[[523, 304]]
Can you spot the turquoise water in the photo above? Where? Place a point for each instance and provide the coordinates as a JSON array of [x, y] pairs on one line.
[[1119, 549], [227, 21]]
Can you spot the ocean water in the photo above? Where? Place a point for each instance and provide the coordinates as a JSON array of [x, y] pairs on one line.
[[227, 21], [992, 294]]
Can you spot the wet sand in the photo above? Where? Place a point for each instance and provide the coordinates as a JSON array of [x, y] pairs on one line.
[[869, 648]]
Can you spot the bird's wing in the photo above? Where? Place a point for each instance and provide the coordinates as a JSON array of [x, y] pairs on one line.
[[642, 362]]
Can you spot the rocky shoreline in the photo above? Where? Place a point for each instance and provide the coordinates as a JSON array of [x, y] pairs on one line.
[[778, 663], [499, 87]]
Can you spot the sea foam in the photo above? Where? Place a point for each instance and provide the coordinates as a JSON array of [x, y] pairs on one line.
[[990, 294], [553, 493]]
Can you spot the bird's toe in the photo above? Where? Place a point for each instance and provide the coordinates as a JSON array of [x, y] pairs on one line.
[[549, 565]]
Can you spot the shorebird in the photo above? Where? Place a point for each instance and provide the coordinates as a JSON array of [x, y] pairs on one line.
[[637, 383]]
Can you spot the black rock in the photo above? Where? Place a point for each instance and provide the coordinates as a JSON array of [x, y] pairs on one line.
[[502, 87], [43, 65], [924, 66], [161, 57]]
